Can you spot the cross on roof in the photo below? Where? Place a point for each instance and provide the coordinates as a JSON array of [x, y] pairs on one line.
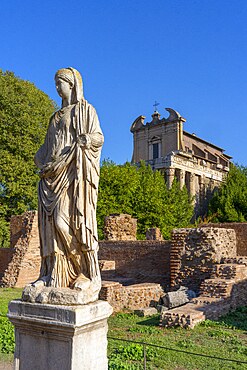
[[155, 105]]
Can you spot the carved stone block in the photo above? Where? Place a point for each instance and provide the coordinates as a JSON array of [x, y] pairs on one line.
[[60, 337]]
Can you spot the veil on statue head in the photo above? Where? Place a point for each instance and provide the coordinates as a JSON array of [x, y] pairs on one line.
[[72, 76]]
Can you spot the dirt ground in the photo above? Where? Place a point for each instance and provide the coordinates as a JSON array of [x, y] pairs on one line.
[[6, 366]]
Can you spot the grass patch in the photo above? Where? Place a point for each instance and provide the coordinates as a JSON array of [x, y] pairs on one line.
[[7, 340], [218, 339], [6, 295], [223, 338]]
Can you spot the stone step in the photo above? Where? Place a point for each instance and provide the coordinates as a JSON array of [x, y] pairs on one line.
[[118, 279], [230, 271], [216, 309], [202, 301], [198, 310], [217, 288], [186, 316]]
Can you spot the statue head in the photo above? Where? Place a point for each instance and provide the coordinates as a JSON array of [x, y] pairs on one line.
[[73, 78]]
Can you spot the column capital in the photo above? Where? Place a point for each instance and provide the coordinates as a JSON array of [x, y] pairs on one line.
[[170, 171]]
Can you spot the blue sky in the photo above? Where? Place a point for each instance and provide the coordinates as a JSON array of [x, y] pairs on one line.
[[189, 55]]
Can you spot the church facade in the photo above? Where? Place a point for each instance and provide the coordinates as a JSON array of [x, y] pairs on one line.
[[196, 163]]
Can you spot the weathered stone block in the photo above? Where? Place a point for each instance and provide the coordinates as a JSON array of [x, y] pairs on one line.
[[147, 311], [60, 337], [195, 252], [120, 227]]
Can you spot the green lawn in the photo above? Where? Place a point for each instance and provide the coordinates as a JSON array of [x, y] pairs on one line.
[[6, 328], [225, 338]]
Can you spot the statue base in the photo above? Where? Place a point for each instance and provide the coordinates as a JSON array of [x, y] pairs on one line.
[[60, 337], [59, 296]]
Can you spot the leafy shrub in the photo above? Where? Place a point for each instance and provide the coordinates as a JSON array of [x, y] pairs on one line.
[[118, 364], [134, 352], [7, 338]]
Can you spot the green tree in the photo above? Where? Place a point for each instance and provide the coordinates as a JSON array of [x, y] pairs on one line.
[[178, 208], [142, 193], [229, 203], [117, 189], [149, 200], [24, 117]]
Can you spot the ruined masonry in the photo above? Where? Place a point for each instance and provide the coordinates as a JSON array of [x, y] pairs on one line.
[[120, 227], [23, 255], [206, 260], [131, 270], [210, 260]]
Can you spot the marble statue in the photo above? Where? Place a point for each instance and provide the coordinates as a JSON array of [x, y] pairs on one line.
[[69, 163]]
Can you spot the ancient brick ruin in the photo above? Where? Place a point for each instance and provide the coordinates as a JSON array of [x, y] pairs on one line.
[[132, 297], [195, 252], [135, 273], [23, 262], [206, 259], [241, 234], [132, 270], [120, 227]]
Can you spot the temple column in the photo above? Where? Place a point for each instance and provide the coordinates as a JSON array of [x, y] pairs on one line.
[[181, 178], [202, 186], [202, 194], [170, 174], [192, 187]]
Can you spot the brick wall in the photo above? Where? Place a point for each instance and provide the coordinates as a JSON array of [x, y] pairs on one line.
[[24, 264], [143, 260], [241, 234], [5, 258], [195, 252], [120, 227], [132, 297]]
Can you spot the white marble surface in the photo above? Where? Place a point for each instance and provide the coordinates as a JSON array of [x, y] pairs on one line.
[[59, 337], [69, 164]]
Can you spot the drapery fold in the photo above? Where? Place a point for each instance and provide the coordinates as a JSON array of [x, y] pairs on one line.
[[67, 192]]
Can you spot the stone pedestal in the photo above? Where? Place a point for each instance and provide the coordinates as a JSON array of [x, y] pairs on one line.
[[60, 337]]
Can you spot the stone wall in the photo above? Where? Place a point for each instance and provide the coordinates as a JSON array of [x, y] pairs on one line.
[[241, 234], [225, 290], [142, 260], [194, 253], [5, 258], [120, 227], [24, 265], [132, 297]]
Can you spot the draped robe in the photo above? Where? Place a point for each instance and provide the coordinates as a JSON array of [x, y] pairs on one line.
[[68, 195]]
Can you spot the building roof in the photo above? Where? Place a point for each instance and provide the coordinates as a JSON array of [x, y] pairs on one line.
[[205, 142]]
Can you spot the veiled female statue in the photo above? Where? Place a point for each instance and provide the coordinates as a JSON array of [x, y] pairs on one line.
[[69, 174]]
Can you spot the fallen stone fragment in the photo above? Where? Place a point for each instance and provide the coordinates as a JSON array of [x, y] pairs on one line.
[[148, 311]]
